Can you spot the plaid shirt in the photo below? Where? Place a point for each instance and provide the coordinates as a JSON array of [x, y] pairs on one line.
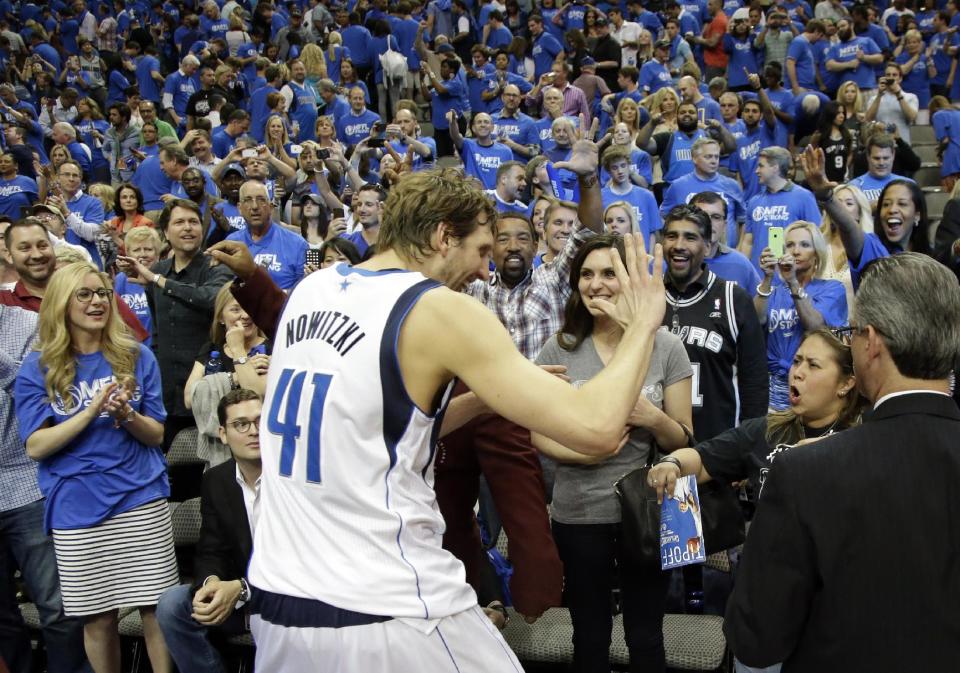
[[532, 310], [18, 473]]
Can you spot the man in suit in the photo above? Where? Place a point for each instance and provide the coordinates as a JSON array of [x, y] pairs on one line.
[[229, 503], [850, 564]]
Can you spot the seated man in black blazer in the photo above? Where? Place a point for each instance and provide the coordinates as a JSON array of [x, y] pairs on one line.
[[851, 562], [228, 502]]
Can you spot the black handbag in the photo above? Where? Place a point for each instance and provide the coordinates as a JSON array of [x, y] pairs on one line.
[[720, 513]]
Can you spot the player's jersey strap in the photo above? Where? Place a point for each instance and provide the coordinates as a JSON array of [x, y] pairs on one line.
[[397, 405], [306, 613]]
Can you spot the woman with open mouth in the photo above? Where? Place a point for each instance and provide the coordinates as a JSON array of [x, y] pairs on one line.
[[823, 400]]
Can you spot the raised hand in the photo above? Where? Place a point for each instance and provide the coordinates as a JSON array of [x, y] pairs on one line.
[[814, 163], [642, 300], [235, 256]]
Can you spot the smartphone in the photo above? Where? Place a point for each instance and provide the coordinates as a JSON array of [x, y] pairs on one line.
[[380, 127], [775, 241], [888, 81], [339, 213], [313, 257], [248, 154], [376, 142], [323, 153]]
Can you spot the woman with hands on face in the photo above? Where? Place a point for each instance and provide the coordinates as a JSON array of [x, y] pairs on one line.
[[243, 349], [90, 410], [798, 301], [586, 511]]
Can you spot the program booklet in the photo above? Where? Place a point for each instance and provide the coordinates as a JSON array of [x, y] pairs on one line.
[[681, 529]]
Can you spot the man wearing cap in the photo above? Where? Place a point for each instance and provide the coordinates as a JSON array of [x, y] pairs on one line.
[[607, 53], [654, 74], [55, 224], [594, 88], [16, 191], [296, 27], [230, 180], [627, 34]]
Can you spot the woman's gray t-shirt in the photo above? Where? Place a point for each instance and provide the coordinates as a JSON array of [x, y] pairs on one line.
[[585, 493]]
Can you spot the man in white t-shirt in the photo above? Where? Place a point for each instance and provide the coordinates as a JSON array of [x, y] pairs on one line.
[[627, 35], [893, 105]]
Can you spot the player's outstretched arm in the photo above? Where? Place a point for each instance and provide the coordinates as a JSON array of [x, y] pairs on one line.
[[475, 347]]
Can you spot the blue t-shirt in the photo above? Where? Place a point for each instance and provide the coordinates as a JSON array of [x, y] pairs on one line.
[[352, 128], [419, 163], [802, 53], [477, 85], [744, 161], [152, 182], [17, 193], [482, 162], [149, 90], [491, 82], [871, 186], [641, 162], [232, 213], [520, 129], [784, 331], [104, 471], [767, 210], [499, 37], [135, 296], [502, 206], [259, 111], [946, 126], [732, 265], [864, 76], [917, 81], [357, 40], [222, 141], [654, 76], [742, 55], [677, 159], [684, 188], [441, 103], [358, 241], [303, 110], [873, 248], [644, 206], [281, 253], [941, 59], [545, 50], [117, 83]]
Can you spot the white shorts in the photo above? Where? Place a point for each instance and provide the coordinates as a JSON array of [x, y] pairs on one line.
[[466, 642]]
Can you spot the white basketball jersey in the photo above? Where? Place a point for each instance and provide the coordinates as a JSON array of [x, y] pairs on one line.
[[348, 513]]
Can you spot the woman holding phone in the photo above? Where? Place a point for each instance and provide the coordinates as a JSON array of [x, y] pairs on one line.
[[801, 302]]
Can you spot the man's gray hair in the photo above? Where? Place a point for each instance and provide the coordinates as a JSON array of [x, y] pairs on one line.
[[700, 143], [326, 85], [66, 129], [913, 302], [190, 59], [779, 156]]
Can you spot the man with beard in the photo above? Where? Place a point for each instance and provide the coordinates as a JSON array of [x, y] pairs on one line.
[[852, 59], [515, 129], [119, 140], [230, 180], [718, 325], [706, 177], [281, 252], [674, 149], [759, 132]]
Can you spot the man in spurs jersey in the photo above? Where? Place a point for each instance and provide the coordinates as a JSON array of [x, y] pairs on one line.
[[348, 573]]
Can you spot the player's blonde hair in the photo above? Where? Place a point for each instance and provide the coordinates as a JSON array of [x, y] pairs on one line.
[[421, 201]]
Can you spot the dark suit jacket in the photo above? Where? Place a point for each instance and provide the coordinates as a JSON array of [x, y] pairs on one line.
[[853, 560], [225, 545]]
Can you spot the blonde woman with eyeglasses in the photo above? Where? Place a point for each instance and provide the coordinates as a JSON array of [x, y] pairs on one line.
[[90, 410]]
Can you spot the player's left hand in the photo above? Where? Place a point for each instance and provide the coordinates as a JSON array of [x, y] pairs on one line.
[[214, 602]]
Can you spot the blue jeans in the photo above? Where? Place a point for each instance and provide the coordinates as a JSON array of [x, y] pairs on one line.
[[186, 638], [24, 544]]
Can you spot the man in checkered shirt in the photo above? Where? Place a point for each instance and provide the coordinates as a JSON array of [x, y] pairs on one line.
[[22, 537]]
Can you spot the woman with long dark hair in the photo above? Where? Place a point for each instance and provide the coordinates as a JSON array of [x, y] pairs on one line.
[[585, 510], [834, 138]]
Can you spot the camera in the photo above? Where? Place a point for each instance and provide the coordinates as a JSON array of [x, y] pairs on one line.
[[323, 153], [889, 81]]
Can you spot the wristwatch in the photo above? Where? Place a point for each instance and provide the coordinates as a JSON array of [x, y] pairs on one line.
[[244, 591], [242, 360], [799, 294]]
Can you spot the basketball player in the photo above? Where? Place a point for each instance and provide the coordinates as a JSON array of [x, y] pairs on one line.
[[348, 570]]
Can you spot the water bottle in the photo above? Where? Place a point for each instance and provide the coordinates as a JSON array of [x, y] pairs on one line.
[[214, 364]]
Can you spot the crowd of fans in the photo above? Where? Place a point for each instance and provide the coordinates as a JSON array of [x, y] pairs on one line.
[[766, 146]]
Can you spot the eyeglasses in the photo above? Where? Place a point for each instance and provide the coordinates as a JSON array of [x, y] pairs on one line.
[[243, 425], [85, 295], [259, 200], [844, 334]]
